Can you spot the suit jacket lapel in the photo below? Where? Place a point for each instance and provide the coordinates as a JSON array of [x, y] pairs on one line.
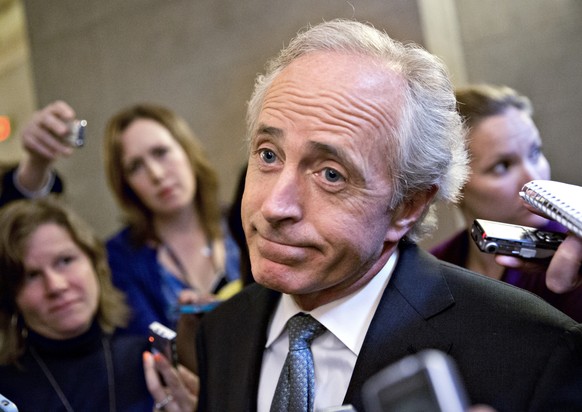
[[230, 380], [416, 292], [251, 345]]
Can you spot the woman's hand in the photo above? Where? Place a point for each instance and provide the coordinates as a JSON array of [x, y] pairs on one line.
[[42, 140], [43, 135], [180, 387], [191, 297], [563, 274]]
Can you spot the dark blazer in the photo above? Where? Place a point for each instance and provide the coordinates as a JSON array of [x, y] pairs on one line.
[[9, 192], [514, 351]]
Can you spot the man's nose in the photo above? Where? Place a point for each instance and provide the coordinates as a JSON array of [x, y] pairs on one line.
[[284, 198]]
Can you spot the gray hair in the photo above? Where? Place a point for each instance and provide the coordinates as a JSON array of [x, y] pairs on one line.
[[429, 139]]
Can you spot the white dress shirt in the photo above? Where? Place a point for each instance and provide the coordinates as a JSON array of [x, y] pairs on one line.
[[334, 352]]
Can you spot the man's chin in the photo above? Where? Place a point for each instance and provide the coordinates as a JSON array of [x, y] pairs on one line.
[[280, 279], [272, 281]]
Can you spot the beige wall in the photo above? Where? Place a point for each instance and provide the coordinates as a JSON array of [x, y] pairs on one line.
[[17, 97], [200, 58], [534, 46], [197, 57]]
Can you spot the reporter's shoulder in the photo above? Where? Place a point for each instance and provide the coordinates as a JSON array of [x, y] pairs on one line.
[[123, 244], [119, 238]]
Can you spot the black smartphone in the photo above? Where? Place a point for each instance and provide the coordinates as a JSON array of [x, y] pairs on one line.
[[425, 382], [515, 240], [163, 340]]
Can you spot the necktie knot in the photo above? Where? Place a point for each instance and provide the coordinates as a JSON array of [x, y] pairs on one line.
[[303, 329]]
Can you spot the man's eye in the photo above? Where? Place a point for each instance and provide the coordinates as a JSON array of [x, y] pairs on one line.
[[332, 175], [268, 156]]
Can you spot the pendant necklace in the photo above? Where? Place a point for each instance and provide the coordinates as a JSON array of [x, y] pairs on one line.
[[206, 252], [110, 376]]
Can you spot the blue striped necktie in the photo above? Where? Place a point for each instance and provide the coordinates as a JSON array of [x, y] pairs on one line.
[[296, 387]]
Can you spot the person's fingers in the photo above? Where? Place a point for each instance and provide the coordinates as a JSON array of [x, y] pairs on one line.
[[509, 261], [43, 143], [43, 135], [189, 379], [189, 296], [481, 408], [186, 395], [166, 370], [55, 118], [55, 124], [533, 265], [181, 386], [563, 274], [153, 382], [62, 109], [562, 271], [163, 396]]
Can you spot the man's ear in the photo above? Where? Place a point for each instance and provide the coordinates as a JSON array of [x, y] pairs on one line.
[[408, 213]]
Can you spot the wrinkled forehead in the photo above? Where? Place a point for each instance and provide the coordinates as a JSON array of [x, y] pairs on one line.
[[355, 91], [346, 73]]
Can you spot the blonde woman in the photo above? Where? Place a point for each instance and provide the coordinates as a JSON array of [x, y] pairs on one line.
[[506, 152], [58, 313], [175, 248]]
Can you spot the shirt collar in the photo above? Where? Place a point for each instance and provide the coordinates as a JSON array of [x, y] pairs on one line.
[[359, 307]]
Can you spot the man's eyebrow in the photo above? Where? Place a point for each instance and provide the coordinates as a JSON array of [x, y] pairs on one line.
[[332, 151], [270, 130], [316, 147]]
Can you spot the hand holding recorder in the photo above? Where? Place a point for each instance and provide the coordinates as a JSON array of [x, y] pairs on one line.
[[173, 386], [52, 133], [563, 271], [514, 240]]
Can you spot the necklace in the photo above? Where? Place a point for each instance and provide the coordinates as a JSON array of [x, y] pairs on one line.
[[178, 263], [110, 376], [206, 252]]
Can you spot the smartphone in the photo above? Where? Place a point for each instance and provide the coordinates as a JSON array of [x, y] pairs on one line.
[[163, 340], [6, 405], [515, 240], [76, 137], [425, 382]]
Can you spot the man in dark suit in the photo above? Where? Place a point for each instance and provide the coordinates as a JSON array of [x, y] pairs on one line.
[[353, 137]]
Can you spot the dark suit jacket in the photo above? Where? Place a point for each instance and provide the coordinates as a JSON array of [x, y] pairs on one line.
[[514, 351]]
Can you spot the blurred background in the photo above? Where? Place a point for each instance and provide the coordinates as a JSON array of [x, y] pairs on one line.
[[200, 57]]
